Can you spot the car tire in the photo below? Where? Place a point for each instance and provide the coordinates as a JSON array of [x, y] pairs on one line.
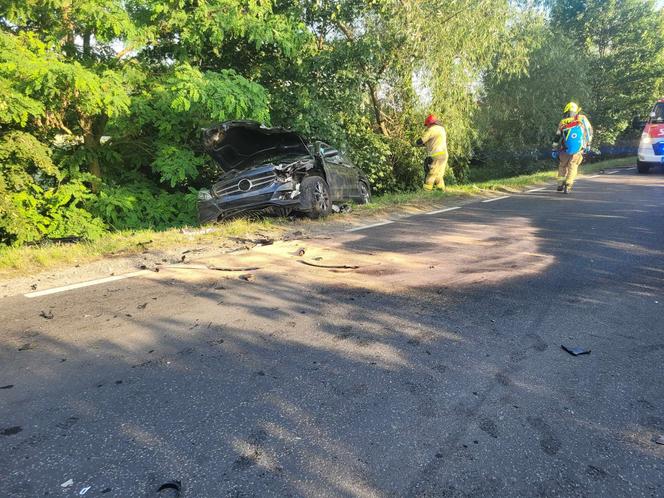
[[316, 197], [365, 193], [642, 167]]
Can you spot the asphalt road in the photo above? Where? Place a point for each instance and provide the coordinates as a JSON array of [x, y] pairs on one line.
[[438, 372]]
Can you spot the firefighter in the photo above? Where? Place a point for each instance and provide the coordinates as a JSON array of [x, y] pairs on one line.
[[435, 140], [573, 138]]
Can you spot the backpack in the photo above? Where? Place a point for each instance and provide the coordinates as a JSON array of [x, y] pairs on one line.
[[573, 132]]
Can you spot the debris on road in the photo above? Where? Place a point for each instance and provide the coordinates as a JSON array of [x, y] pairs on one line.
[[249, 277], [210, 267], [26, 347], [8, 386], [301, 251], [170, 489], [68, 483], [141, 306], [48, 316], [659, 440], [575, 350], [10, 431], [84, 490], [335, 267], [344, 208]]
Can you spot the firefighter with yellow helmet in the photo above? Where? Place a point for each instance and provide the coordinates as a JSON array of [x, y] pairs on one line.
[[435, 140], [573, 138]]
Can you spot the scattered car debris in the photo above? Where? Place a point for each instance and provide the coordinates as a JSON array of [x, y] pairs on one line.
[[142, 306], [249, 277], [659, 440], [170, 489], [343, 208], [68, 483], [335, 267], [143, 244], [84, 490], [301, 251], [48, 316], [10, 431], [33, 286], [211, 267], [575, 350], [8, 386]]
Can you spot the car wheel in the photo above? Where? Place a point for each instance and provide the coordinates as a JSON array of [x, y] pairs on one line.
[[316, 197], [642, 167], [365, 193]]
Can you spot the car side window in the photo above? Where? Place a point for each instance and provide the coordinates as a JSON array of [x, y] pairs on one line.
[[659, 114], [330, 154]]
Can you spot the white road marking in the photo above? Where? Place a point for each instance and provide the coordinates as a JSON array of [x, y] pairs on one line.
[[89, 283], [612, 172], [497, 198], [444, 210], [535, 190], [357, 229], [593, 176], [655, 185]]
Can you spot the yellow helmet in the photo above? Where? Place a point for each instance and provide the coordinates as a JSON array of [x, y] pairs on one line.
[[571, 107]]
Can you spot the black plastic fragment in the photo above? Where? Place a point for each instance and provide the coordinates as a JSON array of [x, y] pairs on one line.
[[171, 489], [575, 350]]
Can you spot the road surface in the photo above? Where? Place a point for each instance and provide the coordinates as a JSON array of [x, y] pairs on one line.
[[434, 368]]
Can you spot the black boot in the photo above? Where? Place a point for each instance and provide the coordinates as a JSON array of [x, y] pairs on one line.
[[560, 187], [567, 188]]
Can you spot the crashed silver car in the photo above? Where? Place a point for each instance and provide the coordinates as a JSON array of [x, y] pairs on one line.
[[277, 170]]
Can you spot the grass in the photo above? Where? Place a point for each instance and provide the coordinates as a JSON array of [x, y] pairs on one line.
[[19, 261], [506, 184]]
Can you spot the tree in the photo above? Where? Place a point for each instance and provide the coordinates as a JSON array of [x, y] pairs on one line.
[[624, 50]]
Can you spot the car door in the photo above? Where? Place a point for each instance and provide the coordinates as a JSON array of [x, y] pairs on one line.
[[334, 169], [351, 178]]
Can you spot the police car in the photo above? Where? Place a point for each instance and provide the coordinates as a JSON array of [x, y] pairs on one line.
[[651, 146]]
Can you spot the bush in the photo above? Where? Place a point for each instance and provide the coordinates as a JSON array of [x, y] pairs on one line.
[[142, 206]]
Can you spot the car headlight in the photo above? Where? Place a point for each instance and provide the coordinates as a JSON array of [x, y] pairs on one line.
[[204, 195]]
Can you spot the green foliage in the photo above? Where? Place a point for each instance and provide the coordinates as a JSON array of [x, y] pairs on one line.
[[142, 206], [102, 102]]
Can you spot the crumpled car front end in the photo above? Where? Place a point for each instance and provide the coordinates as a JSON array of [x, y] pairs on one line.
[[270, 186]]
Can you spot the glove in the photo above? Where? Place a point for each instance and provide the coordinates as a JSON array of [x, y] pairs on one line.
[[428, 161], [419, 142], [554, 154]]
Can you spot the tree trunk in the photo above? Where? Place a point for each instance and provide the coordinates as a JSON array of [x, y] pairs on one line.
[[93, 130], [377, 112]]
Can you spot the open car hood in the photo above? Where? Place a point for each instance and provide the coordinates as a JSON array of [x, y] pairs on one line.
[[238, 145]]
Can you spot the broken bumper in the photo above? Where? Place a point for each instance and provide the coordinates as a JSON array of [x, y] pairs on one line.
[[283, 196]]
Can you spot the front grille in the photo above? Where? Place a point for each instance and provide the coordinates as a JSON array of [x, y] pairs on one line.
[[249, 183]]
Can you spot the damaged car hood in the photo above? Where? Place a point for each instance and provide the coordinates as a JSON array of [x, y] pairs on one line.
[[240, 145]]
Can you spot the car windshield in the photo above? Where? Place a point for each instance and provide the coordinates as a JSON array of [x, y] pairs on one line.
[[659, 114], [279, 157]]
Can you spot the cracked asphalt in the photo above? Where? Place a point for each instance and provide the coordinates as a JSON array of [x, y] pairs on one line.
[[433, 369]]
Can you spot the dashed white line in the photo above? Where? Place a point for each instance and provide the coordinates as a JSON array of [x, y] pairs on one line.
[[497, 198], [89, 283], [357, 229], [535, 190], [444, 210]]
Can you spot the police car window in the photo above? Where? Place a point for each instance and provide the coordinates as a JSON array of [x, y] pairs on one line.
[[659, 114]]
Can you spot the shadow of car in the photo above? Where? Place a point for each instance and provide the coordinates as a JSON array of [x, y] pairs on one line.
[[277, 170]]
